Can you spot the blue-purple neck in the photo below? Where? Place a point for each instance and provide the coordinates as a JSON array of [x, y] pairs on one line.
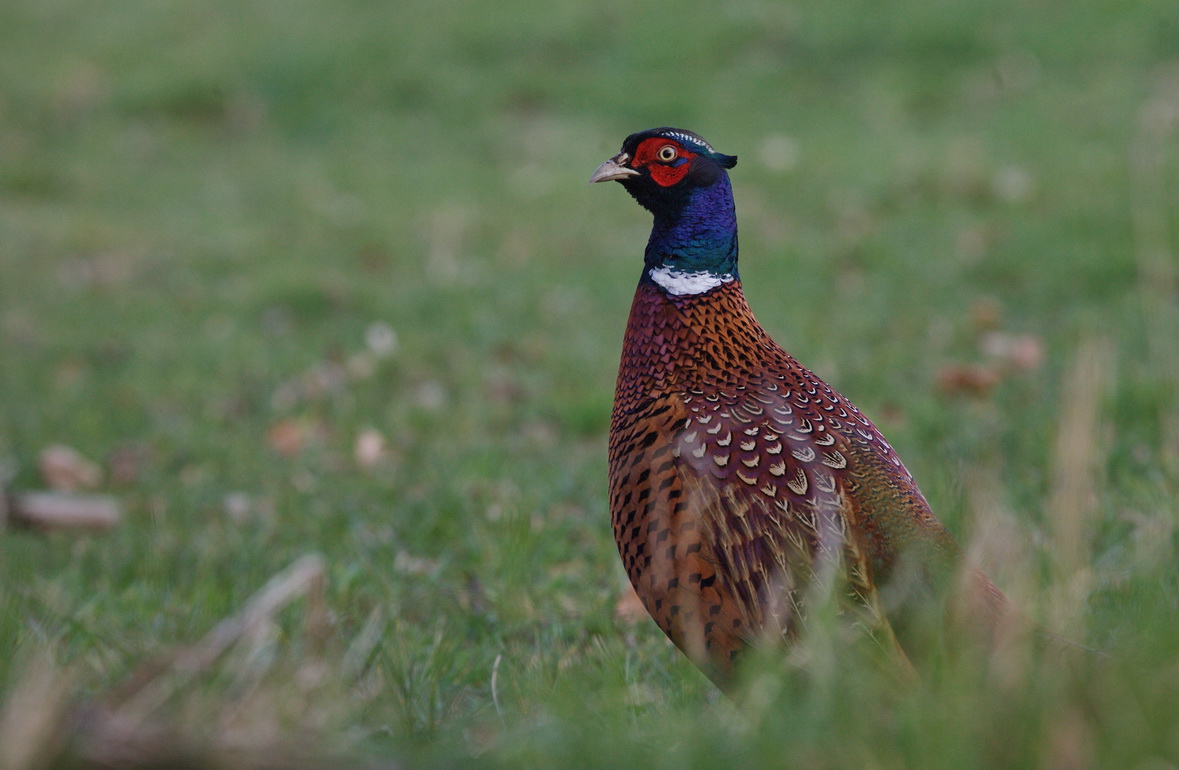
[[698, 234]]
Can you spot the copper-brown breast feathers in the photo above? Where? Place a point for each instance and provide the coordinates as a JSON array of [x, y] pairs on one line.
[[730, 468]]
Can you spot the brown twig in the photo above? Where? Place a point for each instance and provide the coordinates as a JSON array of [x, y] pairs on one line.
[[59, 510]]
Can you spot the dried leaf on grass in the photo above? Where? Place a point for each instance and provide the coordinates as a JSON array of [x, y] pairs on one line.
[[1003, 354], [371, 447], [331, 377], [1023, 352], [65, 469], [290, 436], [968, 379], [126, 463]]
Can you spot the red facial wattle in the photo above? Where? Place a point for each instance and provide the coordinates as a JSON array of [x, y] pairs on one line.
[[664, 172]]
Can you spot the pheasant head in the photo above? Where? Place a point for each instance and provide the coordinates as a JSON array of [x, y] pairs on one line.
[[683, 182]]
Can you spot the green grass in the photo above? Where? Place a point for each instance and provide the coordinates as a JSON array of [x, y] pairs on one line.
[[206, 209]]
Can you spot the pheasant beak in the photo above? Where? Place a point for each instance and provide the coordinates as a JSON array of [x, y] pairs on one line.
[[615, 168]]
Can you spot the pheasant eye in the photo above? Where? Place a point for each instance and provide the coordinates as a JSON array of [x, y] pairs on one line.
[[666, 153]]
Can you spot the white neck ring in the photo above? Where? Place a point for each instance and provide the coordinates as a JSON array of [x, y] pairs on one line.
[[682, 282]]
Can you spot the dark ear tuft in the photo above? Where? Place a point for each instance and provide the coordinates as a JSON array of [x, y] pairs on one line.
[[726, 161]]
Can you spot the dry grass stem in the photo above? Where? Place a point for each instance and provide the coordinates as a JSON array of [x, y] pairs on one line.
[[305, 577], [1077, 461], [1151, 219], [31, 717]]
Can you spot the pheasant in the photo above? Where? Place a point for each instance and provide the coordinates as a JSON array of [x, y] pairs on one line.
[[741, 484]]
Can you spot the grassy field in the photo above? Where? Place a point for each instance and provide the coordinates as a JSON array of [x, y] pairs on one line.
[[326, 278]]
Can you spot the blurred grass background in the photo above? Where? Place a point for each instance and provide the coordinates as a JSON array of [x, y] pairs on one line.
[[326, 277]]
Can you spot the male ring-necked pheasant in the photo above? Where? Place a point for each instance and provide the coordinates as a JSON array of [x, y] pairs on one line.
[[739, 480]]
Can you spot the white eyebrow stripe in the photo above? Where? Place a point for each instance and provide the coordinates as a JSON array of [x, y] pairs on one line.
[[689, 140]]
